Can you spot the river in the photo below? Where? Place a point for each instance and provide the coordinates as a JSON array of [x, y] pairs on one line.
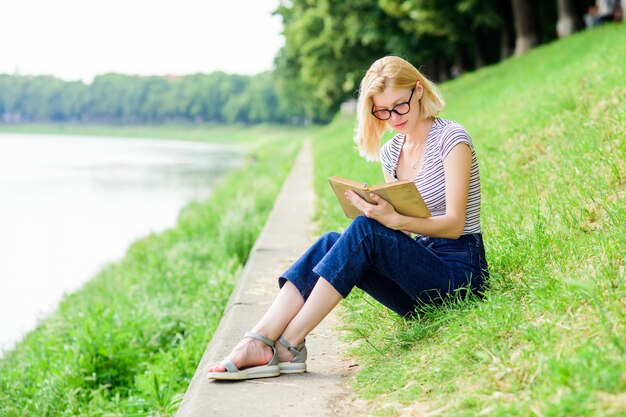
[[71, 204]]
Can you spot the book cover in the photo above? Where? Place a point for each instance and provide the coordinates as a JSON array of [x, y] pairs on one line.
[[402, 195]]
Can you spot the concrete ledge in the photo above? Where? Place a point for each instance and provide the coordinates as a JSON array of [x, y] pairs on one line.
[[286, 235]]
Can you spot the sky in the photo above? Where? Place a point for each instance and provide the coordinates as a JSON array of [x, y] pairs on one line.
[[78, 39]]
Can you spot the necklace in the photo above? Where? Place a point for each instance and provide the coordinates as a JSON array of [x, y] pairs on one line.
[[420, 149], [418, 160]]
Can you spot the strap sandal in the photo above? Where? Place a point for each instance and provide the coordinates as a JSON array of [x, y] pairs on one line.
[[298, 363], [233, 373]]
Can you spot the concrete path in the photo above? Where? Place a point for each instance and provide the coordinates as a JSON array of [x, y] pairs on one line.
[[318, 392]]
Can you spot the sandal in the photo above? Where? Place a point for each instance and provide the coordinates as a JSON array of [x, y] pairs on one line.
[[298, 363], [262, 371]]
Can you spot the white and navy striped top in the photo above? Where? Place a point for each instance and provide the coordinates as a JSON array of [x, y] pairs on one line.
[[430, 180]]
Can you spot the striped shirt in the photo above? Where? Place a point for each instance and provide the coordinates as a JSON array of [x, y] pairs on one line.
[[430, 180]]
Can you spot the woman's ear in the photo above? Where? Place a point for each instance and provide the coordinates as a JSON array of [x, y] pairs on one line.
[[419, 89]]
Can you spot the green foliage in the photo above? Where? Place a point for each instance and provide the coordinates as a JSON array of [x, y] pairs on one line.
[[548, 337], [216, 97], [129, 341], [449, 28], [328, 47], [330, 44]]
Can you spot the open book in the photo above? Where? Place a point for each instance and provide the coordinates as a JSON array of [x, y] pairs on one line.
[[402, 195]]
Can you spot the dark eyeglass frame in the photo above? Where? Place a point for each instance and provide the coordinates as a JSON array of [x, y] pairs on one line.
[[393, 109]]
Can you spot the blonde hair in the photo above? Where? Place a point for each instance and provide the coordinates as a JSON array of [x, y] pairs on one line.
[[389, 72]]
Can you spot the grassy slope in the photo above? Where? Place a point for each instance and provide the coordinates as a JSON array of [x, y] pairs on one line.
[[128, 342], [548, 339]]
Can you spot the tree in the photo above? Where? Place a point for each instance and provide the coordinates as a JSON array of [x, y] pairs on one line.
[[328, 46], [459, 31], [526, 22], [568, 22], [507, 29]]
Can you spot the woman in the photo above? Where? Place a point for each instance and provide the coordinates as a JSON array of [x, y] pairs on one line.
[[376, 252]]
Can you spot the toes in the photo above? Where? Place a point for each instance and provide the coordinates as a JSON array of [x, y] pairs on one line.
[[217, 368]]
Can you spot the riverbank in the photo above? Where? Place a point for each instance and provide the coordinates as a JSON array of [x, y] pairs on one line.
[[127, 343], [202, 132], [75, 203]]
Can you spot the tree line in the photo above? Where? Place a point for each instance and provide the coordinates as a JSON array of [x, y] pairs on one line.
[[328, 46], [215, 97]]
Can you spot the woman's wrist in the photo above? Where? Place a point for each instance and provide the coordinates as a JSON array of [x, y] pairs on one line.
[[399, 222]]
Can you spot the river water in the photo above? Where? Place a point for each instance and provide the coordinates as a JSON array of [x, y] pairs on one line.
[[71, 204]]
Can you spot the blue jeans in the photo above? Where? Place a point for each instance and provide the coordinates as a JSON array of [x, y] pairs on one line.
[[400, 272]]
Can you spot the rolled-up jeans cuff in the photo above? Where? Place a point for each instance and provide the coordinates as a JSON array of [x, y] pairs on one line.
[[334, 278], [302, 287]]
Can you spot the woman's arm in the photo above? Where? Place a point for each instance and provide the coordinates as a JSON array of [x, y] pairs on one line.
[[457, 168]]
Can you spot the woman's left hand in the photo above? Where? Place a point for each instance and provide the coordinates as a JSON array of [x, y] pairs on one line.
[[382, 211]]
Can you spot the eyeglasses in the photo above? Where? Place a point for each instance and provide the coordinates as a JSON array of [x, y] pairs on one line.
[[400, 109]]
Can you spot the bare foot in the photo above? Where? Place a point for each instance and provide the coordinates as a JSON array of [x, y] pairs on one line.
[[249, 352]]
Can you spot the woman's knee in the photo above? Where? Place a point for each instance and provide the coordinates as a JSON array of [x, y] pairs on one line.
[[327, 240], [362, 221], [363, 226]]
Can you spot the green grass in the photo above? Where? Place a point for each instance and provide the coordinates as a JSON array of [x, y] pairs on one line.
[[129, 341], [549, 338]]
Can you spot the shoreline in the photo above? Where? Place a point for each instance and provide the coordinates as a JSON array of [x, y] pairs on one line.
[[205, 132], [151, 314], [76, 203]]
